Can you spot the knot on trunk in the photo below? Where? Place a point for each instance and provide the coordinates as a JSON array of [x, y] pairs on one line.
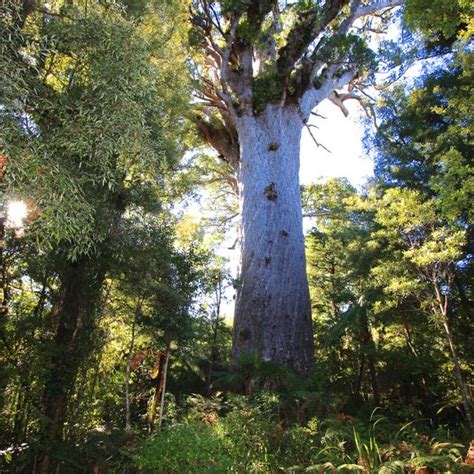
[[270, 192], [244, 334]]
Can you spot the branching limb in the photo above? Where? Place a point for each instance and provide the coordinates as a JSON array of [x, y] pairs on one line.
[[312, 97], [376, 6], [221, 136], [319, 145], [315, 114], [338, 100], [226, 55], [365, 102], [217, 22], [317, 59], [212, 18], [305, 31]]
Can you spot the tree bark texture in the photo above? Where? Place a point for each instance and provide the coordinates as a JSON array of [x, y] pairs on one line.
[[75, 309], [273, 309], [159, 387]]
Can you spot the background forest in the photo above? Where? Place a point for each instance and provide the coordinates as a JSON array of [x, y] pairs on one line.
[[114, 346]]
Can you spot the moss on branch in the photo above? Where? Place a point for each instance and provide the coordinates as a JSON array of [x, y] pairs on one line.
[[267, 89]]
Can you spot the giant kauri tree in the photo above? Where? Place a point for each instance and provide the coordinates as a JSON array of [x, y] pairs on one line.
[[266, 65]]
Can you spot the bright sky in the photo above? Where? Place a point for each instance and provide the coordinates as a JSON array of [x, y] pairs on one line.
[[343, 138]]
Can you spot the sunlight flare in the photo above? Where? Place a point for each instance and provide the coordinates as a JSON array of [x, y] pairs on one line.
[[16, 213]]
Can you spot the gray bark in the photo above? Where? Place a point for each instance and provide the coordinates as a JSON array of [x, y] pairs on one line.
[[273, 309]]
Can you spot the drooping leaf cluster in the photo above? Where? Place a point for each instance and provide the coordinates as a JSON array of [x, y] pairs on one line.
[[83, 115]]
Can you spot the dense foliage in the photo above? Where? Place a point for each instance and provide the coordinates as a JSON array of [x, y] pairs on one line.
[[114, 344]]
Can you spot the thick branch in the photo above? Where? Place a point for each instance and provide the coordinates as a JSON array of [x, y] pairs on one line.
[[313, 96], [374, 7], [257, 11], [221, 138], [305, 31], [330, 77], [225, 56]]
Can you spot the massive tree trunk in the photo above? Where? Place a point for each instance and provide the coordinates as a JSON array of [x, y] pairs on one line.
[[257, 87], [273, 310]]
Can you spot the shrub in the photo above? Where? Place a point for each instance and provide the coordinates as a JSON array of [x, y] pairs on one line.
[[218, 436], [192, 447]]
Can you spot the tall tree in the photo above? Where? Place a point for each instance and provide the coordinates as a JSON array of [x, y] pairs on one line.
[[424, 254], [83, 114], [423, 149], [267, 65], [339, 264]]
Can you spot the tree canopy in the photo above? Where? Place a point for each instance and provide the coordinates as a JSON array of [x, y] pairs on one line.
[[133, 134]]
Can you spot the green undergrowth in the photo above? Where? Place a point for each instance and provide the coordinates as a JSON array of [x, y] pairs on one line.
[[217, 436]]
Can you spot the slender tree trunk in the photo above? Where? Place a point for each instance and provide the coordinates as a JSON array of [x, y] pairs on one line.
[[128, 422], [358, 387], [157, 392], [18, 412], [163, 389], [414, 351], [369, 349], [442, 300], [212, 355], [408, 337], [373, 376], [3, 269], [159, 386], [457, 369], [215, 330], [75, 308], [20, 424], [273, 309]]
